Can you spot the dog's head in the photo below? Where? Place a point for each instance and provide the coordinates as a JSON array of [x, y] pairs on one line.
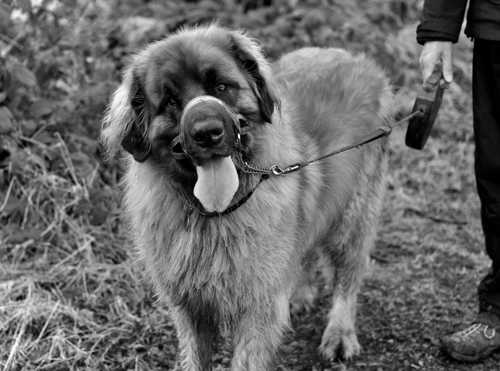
[[187, 94]]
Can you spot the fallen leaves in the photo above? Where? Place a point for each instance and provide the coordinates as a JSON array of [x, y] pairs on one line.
[[6, 121]]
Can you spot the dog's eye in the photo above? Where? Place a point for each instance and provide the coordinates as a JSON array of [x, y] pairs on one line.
[[221, 88], [167, 103]]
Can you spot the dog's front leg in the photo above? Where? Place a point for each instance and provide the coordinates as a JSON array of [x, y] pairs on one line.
[[259, 334], [196, 340]]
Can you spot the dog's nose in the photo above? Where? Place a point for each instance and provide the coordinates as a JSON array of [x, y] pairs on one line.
[[209, 133]]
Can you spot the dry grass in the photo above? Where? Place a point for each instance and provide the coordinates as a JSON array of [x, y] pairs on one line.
[[73, 297]]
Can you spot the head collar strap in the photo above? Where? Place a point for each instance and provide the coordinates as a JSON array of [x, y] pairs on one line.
[[201, 210]]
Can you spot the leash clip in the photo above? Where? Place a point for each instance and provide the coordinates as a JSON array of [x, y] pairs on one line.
[[277, 170], [386, 129]]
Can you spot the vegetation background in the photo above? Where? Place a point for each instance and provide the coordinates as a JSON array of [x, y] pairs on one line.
[[72, 296]]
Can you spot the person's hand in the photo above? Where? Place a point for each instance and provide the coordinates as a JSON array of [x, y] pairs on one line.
[[433, 54]]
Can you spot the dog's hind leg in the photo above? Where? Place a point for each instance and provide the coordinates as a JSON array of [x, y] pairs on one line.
[[259, 334], [196, 337], [339, 340], [306, 291], [349, 258]]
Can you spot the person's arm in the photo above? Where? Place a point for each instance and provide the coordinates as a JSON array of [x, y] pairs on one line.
[[441, 20], [439, 28]]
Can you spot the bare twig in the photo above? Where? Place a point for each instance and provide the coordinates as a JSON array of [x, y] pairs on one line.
[[67, 159], [435, 218], [13, 43], [44, 328], [21, 328], [7, 195]]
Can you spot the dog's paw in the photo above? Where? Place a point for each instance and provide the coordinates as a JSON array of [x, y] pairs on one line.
[[339, 343]]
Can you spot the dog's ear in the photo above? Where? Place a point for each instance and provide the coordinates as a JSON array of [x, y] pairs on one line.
[[126, 121], [250, 58]]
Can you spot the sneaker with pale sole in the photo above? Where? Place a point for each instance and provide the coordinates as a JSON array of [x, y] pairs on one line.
[[472, 344]]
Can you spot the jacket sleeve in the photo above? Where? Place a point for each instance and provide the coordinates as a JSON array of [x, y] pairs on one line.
[[441, 20]]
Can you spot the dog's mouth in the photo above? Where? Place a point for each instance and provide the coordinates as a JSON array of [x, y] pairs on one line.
[[209, 136]]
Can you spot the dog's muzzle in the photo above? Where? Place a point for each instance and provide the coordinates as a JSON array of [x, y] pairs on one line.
[[209, 134], [208, 129]]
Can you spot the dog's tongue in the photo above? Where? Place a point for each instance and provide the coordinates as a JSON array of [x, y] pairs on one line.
[[216, 184]]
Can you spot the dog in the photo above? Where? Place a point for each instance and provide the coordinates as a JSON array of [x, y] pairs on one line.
[[228, 249]]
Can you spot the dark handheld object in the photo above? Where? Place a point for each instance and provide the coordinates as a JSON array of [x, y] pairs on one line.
[[428, 103]]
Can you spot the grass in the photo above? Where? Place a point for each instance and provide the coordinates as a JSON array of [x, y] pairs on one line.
[[72, 295]]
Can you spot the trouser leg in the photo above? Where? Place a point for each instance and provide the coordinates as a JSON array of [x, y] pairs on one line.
[[486, 105]]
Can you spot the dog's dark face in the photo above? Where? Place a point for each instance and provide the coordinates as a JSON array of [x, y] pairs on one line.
[[167, 76]]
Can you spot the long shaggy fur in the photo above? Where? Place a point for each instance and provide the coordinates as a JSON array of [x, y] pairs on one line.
[[238, 272]]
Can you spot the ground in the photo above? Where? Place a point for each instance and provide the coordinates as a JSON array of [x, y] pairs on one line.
[[72, 295]]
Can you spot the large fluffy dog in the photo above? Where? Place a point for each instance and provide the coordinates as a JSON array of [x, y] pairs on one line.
[[237, 272]]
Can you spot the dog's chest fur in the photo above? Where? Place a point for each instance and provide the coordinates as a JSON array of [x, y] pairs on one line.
[[216, 264]]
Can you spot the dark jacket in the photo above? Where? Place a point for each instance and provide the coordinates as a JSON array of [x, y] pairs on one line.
[[442, 20]]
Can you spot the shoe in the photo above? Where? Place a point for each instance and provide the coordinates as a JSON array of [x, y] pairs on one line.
[[472, 344]]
